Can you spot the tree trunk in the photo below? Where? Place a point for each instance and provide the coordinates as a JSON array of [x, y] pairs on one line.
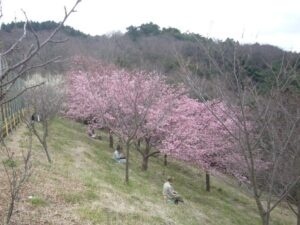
[[127, 163], [266, 219], [43, 140], [298, 203], [264, 215], [165, 160], [146, 154], [46, 151], [111, 140], [145, 163], [207, 181], [10, 209], [298, 215], [45, 127]]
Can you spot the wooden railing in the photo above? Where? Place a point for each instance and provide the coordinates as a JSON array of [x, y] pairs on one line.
[[11, 105], [11, 116]]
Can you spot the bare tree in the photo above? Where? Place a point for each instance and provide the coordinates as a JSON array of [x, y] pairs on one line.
[[291, 172], [289, 167], [22, 64], [17, 169], [266, 128], [294, 199], [18, 63], [46, 102]]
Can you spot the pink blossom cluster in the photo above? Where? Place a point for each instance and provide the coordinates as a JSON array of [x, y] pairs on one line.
[[198, 136], [138, 104]]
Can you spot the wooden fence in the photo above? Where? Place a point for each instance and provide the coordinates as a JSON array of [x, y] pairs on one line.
[[12, 108], [11, 115]]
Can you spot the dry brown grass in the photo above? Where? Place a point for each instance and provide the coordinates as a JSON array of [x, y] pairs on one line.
[[46, 183]]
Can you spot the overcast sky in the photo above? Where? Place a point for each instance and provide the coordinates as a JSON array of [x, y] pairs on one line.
[[275, 22]]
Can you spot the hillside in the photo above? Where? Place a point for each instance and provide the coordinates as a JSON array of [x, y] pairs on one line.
[[85, 186], [150, 47]]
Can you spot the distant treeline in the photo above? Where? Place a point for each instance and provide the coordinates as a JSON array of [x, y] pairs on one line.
[[42, 26], [151, 29], [167, 50]]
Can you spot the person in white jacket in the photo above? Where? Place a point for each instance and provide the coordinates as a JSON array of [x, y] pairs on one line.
[[118, 155], [170, 195]]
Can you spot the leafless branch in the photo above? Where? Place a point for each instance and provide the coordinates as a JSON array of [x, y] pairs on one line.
[[17, 42], [16, 177], [292, 208], [285, 193], [20, 93], [12, 81], [32, 30], [59, 41], [39, 46]]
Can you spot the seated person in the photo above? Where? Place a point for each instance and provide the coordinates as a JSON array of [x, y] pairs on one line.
[[118, 155], [170, 195], [91, 132], [35, 117]]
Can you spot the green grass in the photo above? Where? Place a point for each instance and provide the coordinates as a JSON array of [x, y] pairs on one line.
[[37, 201], [79, 197], [9, 163], [90, 187], [109, 217]]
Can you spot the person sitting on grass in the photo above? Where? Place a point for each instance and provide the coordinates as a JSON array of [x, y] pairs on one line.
[[118, 155], [91, 133], [170, 195]]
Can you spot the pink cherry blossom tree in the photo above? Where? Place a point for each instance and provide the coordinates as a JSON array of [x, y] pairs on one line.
[[139, 107], [87, 92], [199, 138], [130, 104]]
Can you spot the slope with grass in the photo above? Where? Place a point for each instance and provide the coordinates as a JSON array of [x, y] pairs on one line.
[[85, 186]]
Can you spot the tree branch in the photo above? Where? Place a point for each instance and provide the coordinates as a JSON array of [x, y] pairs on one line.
[[284, 194], [14, 45], [153, 153], [40, 45], [12, 81], [20, 93], [292, 208]]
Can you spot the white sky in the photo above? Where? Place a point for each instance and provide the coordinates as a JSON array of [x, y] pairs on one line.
[[275, 22]]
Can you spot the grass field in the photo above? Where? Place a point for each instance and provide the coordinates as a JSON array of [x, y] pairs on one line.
[[85, 186]]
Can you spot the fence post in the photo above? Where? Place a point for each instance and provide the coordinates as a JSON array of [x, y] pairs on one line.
[[23, 113], [10, 119], [5, 120], [6, 126], [7, 117], [19, 115], [14, 115], [14, 119]]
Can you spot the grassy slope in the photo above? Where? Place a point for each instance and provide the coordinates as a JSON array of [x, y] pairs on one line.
[[85, 186]]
